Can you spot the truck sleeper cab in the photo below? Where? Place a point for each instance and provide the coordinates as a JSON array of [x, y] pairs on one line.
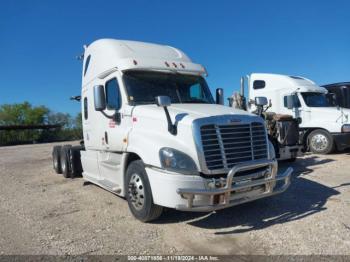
[[324, 126], [342, 93], [154, 135]]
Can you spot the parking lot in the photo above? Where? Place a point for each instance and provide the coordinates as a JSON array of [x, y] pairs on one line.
[[43, 213]]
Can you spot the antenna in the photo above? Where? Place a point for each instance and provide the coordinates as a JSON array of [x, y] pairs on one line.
[[80, 57]]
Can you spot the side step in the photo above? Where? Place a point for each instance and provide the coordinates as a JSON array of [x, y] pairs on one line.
[[106, 184]]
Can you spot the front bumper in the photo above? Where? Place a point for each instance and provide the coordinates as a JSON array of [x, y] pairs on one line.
[[237, 191], [342, 140]]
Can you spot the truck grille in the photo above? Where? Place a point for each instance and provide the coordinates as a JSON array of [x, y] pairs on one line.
[[227, 145]]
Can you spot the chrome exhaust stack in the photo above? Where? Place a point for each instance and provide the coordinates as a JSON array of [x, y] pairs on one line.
[[242, 86]]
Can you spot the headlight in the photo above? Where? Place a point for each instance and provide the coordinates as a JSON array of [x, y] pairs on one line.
[[345, 128], [175, 160]]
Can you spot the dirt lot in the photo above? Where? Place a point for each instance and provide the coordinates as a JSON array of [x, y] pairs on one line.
[[43, 213]]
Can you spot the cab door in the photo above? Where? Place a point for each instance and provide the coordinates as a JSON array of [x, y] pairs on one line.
[[299, 110], [114, 131]]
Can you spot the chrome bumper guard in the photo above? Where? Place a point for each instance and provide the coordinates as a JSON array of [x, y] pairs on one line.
[[231, 193]]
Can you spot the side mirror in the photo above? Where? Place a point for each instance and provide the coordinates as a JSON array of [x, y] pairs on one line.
[[219, 96], [99, 98], [290, 102], [163, 101], [261, 101]]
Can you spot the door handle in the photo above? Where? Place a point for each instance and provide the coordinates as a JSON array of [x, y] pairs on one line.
[[106, 137]]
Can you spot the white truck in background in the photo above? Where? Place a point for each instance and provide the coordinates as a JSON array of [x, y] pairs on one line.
[[154, 135], [323, 125], [282, 129]]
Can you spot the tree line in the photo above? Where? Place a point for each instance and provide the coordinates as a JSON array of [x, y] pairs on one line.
[[25, 114]]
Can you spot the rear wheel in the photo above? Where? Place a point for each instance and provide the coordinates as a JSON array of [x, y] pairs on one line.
[[75, 161], [65, 161], [56, 159], [320, 142], [138, 193]]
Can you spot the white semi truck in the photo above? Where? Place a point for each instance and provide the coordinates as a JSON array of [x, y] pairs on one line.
[[282, 129], [324, 126], [154, 135]]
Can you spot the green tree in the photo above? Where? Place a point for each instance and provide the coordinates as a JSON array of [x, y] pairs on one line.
[[21, 114], [78, 121], [26, 114], [63, 119]]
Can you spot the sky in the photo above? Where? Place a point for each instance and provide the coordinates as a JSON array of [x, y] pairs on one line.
[[39, 41]]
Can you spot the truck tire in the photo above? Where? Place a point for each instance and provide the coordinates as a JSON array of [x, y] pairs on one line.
[[75, 161], [320, 142], [139, 194], [56, 159], [65, 161]]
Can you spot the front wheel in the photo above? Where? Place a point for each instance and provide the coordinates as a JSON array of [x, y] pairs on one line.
[[139, 194], [320, 142]]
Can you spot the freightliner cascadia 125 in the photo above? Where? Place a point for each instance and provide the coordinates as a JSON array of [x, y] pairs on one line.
[[154, 134]]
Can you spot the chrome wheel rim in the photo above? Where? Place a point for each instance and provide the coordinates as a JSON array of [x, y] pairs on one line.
[[319, 142], [136, 192]]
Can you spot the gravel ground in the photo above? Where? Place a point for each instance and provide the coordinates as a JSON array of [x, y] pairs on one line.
[[43, 213]]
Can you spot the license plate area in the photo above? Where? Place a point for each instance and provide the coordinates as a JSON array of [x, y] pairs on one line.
[[240, 183]]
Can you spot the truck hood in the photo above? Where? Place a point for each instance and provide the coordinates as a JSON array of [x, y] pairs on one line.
[[332, 114], [185, 113], [149, 132]]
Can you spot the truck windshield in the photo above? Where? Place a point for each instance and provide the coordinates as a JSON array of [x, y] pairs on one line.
[[314, 99], [142, 87]]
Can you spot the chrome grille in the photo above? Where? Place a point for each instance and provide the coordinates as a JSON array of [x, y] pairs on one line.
[[227, 145]]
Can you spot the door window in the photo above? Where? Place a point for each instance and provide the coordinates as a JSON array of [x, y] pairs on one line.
[[112, 94], [259, 84], [296, 101]]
